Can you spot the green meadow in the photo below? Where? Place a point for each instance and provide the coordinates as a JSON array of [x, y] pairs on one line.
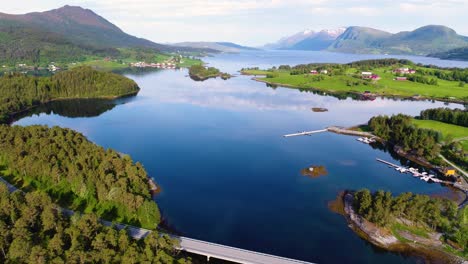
[[350, 82]]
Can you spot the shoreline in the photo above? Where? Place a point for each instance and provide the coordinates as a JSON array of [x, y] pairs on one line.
[[456, 101], [429, 249], [397, 149]]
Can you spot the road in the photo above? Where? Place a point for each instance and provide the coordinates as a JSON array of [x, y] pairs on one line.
[[455, 166]]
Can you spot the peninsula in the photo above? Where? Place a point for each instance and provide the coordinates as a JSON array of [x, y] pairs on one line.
[[432, 228], [370, 78]]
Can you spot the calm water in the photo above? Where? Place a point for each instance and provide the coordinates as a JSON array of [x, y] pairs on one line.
[[228, 175]]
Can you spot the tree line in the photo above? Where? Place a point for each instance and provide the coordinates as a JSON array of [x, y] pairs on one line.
[[457, 117], [78, 174], [399, 130], [32, 230], [19, 92], [436, 214]]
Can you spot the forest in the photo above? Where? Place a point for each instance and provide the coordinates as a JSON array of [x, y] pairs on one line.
[[399, 130], [77, 174], [457, 117], [32, 230], [19, 92], [437, 214]]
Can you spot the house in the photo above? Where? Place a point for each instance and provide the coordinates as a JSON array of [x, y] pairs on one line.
[[53, 68], [370, 76], [324, 72], [404, 71], [449, 171], [313, 72], [401, 79]]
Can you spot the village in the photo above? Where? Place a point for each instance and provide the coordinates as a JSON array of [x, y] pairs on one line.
[[367, 75]]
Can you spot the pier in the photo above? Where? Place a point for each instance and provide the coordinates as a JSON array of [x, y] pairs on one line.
[[334, 129], [305, 133]]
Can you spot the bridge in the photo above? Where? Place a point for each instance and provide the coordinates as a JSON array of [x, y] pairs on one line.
[[210, 250]]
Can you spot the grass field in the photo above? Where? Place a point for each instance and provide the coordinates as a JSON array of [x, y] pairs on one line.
[[447, 130], [386, 86]]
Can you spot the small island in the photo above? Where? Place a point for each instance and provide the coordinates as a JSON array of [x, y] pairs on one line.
[[202, 73], [319, 109], [432, 228], [371, 78]]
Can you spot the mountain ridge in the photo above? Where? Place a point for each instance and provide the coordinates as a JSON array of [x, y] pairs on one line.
[[358, 39]]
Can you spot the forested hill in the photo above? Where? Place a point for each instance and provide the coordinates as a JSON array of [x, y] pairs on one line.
[[77, 173], [33, 231], [19, 92]]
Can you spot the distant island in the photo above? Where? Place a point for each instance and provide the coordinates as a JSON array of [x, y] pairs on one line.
[[19, 92], [370, 78], [202, 73]]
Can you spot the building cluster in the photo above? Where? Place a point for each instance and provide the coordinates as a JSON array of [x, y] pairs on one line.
[[370, 76], [142, 64], [404, 71], [317, 72], [53, 68]]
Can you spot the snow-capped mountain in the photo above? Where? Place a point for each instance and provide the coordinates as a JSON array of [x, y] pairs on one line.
[[307, 40]]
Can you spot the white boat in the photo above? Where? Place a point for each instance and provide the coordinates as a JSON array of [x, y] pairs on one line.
[[424, 173], [424, 178]]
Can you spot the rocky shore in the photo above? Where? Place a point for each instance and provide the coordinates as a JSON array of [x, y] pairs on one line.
[[429, 248]]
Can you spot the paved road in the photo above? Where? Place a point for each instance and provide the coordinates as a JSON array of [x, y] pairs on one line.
[[194, 246], [455, 166]]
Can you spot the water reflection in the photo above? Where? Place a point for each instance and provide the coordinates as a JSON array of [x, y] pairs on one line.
[[74, 108]]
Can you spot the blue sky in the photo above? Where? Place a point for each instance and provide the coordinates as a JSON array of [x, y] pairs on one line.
[[257, 22]]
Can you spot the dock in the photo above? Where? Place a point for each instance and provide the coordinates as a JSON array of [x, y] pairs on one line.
[[305, 133]]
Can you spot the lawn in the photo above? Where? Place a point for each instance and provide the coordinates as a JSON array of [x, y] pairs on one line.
[[446, 129], [385, 86]]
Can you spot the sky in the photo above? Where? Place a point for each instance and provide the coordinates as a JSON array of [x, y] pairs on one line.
[[255, 23]]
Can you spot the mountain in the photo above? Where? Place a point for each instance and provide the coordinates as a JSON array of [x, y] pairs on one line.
[[421, 41], [81, 26], [362, 39], [318, 41], [228, 47], [287, 42], [454, 54]]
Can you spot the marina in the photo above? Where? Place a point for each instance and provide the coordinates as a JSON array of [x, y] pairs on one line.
[[424, 176]]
